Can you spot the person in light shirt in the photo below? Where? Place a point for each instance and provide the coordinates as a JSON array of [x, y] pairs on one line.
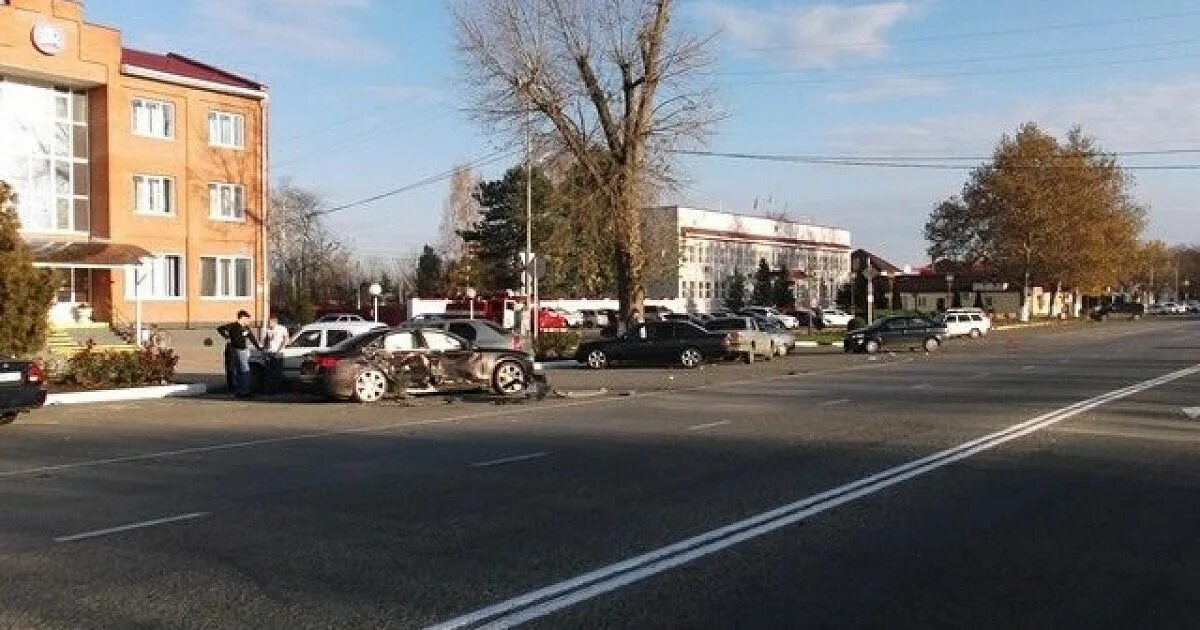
[[275, 338]]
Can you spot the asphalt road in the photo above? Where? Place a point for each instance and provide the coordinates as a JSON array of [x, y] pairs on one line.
[[1040, 478]]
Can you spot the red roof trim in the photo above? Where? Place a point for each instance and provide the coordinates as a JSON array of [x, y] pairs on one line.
[[172, 63], [742, 236]]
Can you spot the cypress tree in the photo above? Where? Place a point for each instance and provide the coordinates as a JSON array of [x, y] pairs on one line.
[[25, 291]]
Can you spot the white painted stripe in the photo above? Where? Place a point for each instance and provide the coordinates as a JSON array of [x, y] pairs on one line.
[[132, 526], [710, 425], [922, 386], [544, 601], [509, 460], [834, 403]]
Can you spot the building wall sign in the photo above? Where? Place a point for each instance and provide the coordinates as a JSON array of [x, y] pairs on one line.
[[48, 38]]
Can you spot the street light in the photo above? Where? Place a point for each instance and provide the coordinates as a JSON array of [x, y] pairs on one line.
[[471, 298], [1186, 292], [949, 290], [375, 290]]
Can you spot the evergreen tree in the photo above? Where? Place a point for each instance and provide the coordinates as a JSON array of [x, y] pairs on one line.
[[782, 294], [429, 272], [762, 284], [25, 292], [498, 240], [737, 291]]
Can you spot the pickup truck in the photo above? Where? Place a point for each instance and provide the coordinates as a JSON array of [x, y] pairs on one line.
[[747, 338], [22, 387]]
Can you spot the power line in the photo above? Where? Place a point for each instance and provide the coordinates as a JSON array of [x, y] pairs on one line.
[[432, 179], [984, 34], [946, 158], [835, 161]]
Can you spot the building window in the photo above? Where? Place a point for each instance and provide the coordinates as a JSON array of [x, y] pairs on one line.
[[153, 119], [225, 277], [153, 194], [160, 278], [226, 130], [226, 202]]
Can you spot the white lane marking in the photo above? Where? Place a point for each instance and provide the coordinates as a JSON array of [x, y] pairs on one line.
[[509, 460], [1028, 367], [132, 526], [317, 435], [549, 599], [983, 375], [922, 386], [700, 427], [834, 403]]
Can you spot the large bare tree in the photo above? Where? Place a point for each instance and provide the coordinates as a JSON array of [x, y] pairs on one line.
[[612, 83]]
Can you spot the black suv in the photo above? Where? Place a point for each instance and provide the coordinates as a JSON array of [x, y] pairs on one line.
[[896, 332], [1132, 311]]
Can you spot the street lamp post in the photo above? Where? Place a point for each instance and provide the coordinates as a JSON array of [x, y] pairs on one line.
[[471, 298], [375, 292], [949, 290], [1187, 283]]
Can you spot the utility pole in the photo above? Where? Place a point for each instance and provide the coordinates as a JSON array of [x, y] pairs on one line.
[[529, 271]]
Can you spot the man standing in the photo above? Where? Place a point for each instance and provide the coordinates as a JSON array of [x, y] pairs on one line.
[[274, 338], [238, 339]]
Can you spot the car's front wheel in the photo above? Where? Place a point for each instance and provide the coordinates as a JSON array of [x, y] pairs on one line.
[[931, 344], [691, 358], [370, 386], [597, 359], [871, 346], [509, 378]]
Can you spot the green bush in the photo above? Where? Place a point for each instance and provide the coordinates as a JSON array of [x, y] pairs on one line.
[[556, 345], [94, 370]]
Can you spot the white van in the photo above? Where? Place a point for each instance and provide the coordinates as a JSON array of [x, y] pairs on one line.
[[965, 322]]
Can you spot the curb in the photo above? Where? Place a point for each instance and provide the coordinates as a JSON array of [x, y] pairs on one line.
[[133, 393], [813, 344]]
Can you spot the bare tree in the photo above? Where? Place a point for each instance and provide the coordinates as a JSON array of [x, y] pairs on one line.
[[307, 257], [460, 213], [611, 83]]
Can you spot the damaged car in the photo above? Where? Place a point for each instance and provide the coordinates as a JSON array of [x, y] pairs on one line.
[[404, 361]]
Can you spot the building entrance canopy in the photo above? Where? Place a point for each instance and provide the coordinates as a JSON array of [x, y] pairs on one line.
[[60, 254]]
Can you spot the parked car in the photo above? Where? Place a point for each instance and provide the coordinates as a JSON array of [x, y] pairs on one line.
[[309, 339], [782, 338], [574, 319], [896, 332], [785, 320], [339, 317], [22, 388], [481, 332], [1174, 308], [747, 338], [1132, 311], [662, 343], [691, 318], [965, 322], [369, 367], [656, 313], [835, 317]]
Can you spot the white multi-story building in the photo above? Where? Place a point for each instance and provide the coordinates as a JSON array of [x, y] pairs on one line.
[[711, 247]]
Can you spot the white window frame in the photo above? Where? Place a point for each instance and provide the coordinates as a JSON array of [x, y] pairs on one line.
[[237, 130], [168, 184], [225, 282], [216, 208], [168, 133], [155, 280]]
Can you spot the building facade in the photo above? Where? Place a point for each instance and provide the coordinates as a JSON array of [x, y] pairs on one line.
[[711, 247], [140, 177]]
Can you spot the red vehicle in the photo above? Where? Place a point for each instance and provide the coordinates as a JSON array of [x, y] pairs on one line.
[[503, 311]]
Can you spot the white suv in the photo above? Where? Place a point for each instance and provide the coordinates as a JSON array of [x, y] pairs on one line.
[[965, 322]]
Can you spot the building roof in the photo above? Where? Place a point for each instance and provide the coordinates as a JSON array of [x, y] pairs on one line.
[[876, 262], [85, 254], [179, 65]]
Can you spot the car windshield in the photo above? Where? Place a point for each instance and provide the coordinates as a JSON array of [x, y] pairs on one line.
[[306, 339], [354, 343]]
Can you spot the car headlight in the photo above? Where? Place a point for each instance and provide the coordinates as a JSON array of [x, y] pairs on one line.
[[538, 368]]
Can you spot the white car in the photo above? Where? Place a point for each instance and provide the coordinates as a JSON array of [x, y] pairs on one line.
[[339, 317], [1173, 308], [314, 338], [787, 321], [835, 317], [973, 323]]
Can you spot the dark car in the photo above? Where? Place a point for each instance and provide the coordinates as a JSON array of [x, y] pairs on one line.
[[401, 361], [663, 343], [1132, 311], [22, 388], [480, 332], [896, 332]]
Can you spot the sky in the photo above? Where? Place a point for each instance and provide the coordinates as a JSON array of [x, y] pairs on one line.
[[366, 97]]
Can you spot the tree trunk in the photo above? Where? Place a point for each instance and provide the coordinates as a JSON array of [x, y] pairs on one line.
[[1054, 310], [1026, 308], [629, 257]]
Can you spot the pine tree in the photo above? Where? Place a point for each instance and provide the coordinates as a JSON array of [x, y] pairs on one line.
[[737, 291], [782, 294], [429, 272], [25, 292], [762, 284]]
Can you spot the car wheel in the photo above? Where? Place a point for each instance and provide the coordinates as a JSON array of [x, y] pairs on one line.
[[7, 418], [597, 360], [691, 358], [975, 333], [871, 346], [370, 386], [931, 344], [509, 378], [783, 350]]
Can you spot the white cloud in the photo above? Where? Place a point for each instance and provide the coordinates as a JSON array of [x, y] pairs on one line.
[[889, 88], [321, 29], [816, 36]]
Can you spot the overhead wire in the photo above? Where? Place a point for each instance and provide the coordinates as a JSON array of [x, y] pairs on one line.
[[930, 164]]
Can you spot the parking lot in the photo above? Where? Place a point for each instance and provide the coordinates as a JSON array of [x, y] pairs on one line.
[[287, 512]]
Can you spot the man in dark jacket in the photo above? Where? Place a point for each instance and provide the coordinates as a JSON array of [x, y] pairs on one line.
[[239, 337]]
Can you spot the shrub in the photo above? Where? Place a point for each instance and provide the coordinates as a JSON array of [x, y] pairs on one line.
[[556, 345], [90, 369], [26, 292]]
